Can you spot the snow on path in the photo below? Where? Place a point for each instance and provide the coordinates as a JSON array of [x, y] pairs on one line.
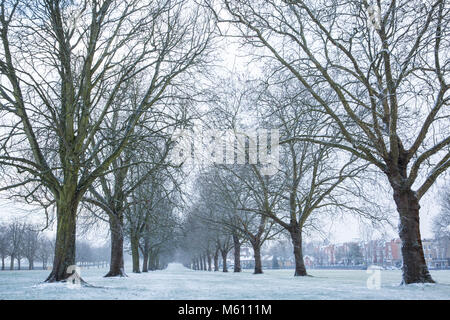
[[177, 282]]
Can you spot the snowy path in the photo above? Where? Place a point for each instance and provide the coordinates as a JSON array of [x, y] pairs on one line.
[[177, 282]]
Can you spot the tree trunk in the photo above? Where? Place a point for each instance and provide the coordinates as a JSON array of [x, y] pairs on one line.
[[224, 261], [30, 264], [11, 263], [18, 263], [296, 237], [65, 239], [116, 265], [151, 260], [216, 260], [257, 256], [205, 268], [135, 253], [157, 265], [237, 253], [145, 260], [415, 269], [209, 261], [3, 263], [202, 265]]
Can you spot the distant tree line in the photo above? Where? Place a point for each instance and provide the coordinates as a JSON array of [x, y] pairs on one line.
[[25, 242], [22, 240]]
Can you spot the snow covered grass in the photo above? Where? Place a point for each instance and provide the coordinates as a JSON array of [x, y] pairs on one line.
[[176, 282]]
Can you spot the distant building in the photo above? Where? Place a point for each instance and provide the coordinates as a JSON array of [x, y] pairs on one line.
[[392, 253], [308, 261]]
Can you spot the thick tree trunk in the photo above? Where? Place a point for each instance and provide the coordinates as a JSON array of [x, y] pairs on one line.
[[65, 239], [116, 265], [216, 260], [30, 264], [237, 253], [296, 237], [3, 263], [415, 269], [18, 263], [257, 256], [224, 262], [135, 253], [11, 263]]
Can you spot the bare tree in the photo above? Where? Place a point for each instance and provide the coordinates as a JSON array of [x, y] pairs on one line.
[[63, 65], [241, 201], [383, 86], [44, 251], [15, 233], [224, 244], [148, 150]]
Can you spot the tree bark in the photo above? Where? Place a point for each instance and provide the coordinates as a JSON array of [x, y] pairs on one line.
[[237, 253], [116, 265], [415, 269], [205, 265], [145, 260], [216, 261], [11, 263], [209, 261], [152, 260], [200, 264], [257, 256], [3, 263], [135, 253], [296, 237], [65, 239], [224, 261]]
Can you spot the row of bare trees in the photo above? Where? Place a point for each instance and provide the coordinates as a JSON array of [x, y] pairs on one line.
[[380, 88], [20, 241], [79, 82]]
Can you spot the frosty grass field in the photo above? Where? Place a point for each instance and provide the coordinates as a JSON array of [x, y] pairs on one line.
[[177, 282]]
